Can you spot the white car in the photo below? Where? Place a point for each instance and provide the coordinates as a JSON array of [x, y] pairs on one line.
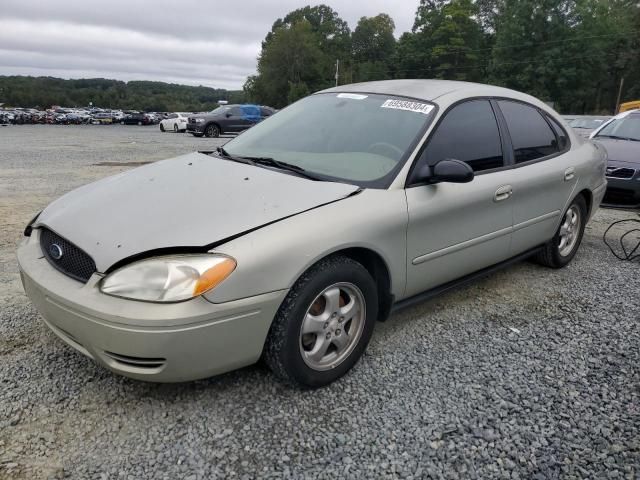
[[174, 121]]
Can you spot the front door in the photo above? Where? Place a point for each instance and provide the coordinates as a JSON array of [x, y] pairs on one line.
[[457, 229]]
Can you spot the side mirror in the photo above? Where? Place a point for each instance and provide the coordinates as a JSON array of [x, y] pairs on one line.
[[227, 115], [448, 170]]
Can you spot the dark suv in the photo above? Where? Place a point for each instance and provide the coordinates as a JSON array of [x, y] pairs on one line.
[[224, 119]]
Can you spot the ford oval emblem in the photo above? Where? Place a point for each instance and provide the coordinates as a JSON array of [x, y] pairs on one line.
[[55, 251]]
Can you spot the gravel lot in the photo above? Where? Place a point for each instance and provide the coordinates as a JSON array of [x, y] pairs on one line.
[[530, 373]]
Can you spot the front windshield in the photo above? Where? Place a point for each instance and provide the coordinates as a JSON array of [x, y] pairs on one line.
[[627, 128], [590, 123], [357, 138]]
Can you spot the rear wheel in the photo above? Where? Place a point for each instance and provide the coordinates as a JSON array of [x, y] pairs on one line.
[[561, 249], [212, 131], [324, 324]]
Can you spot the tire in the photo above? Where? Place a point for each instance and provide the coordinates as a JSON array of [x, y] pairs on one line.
[[212, 131], [556, 253], [161, 128], [175, 128], [289, 352]]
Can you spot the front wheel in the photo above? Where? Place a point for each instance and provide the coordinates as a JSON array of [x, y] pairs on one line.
[[212, 131], [561, 249], [161, 127], [175, 128], [324, 324]]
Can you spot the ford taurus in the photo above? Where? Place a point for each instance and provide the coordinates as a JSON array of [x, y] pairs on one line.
[[292, 240]]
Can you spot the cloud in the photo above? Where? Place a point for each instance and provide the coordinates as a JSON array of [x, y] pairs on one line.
[[197, 43]]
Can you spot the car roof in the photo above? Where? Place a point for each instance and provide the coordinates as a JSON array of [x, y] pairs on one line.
[[437, 91]]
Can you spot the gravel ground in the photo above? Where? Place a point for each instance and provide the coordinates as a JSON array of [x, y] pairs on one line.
[[529, 373]]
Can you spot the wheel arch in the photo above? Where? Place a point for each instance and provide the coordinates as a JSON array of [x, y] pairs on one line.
[[373, 262], [588, 198], [212, 122]]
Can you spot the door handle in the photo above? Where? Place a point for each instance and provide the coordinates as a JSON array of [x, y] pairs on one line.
[[502, 193], [569, 173]]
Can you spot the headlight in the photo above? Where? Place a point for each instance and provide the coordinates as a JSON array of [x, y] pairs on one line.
[[168, 279], [199, 120]]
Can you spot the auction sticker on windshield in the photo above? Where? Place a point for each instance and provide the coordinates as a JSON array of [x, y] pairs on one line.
[[409, 106]]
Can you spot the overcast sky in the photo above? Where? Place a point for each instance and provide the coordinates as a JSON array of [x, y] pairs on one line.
[[204, 42]]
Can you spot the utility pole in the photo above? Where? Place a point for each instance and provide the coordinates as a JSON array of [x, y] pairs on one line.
[[337, 70], [619, 96]]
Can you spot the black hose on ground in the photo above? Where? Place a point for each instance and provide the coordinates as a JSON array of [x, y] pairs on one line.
[[624, 251]]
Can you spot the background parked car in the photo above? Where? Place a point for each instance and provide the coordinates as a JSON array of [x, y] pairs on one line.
[[584, 125], [138, 118], [621, 138], [224, 119], [176, 122]]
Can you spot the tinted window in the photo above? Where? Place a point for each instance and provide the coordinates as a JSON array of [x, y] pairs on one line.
[[235, 111], [531, 135], [468, 132], [561, 135]]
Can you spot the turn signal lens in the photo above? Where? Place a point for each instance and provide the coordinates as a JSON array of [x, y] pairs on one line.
[[213, 276]]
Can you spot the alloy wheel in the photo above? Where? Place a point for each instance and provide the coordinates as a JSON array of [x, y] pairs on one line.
[[332, 326], [569, 231]]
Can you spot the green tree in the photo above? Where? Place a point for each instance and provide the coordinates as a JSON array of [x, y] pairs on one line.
[[290, 65], [445, 42]]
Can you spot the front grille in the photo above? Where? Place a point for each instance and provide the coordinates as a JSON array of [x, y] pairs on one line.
[[613, 172], [66, 257]]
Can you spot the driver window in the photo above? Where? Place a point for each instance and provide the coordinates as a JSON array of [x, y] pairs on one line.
[[468, 132], [235, 111]]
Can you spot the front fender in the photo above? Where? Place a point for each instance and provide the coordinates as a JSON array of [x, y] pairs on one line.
[[273, 257]]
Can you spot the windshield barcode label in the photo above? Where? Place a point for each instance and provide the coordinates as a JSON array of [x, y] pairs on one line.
[[409, 106]]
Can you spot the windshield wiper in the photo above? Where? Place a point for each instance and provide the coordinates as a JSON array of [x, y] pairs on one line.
[[272, 162], [617, 137], [224, 154]]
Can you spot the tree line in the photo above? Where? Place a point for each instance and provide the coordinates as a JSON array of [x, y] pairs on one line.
[[573, 53], [43, 92]]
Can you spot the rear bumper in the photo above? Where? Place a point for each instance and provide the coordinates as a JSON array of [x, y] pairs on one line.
[[147, 341]]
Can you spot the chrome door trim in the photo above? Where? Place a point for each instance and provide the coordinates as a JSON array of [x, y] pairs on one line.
[[533, 221], [461, 246]]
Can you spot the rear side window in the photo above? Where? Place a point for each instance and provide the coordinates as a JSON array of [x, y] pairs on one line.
[[561, 135], [468, 132], [531, 135]]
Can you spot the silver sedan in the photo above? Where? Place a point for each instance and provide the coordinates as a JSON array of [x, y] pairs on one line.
[[289, 243]]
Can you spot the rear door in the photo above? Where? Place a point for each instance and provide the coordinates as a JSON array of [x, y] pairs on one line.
[[233, 120], [543, 177], [457, 229]]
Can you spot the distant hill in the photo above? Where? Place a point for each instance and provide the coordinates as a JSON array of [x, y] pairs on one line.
[[43, 92]]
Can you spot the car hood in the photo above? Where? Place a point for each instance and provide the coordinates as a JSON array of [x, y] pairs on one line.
[[621, 151], [195, 200]]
